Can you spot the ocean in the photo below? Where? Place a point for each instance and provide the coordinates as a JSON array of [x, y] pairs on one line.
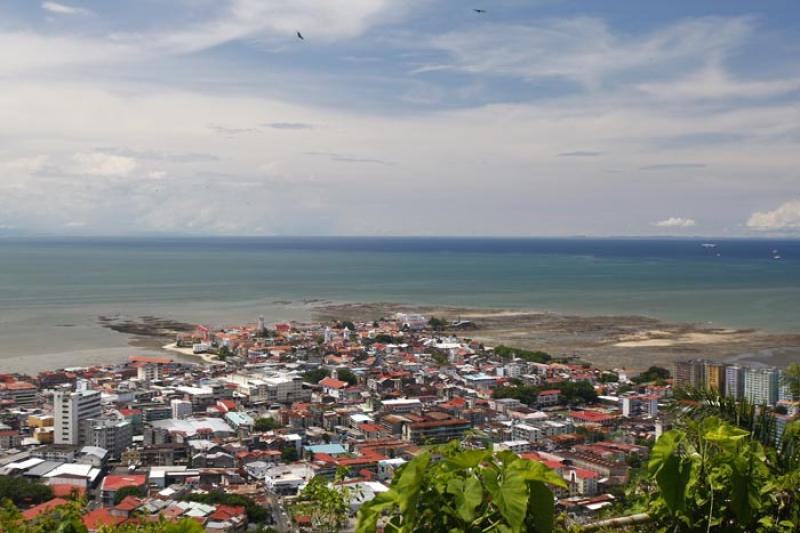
[[53, 290]]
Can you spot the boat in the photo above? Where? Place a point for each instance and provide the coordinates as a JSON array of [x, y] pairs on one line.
[[708, 245]]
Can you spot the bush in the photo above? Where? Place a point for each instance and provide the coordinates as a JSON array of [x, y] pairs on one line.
[[23, 492]]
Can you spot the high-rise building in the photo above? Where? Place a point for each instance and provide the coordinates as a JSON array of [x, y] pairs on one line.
[[734, 381], [690, 374], [715, 376], [69, 408], [761, 385]]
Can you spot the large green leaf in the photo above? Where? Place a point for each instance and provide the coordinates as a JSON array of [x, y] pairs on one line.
[[541, 507], [509, 492], [467, 459], [671, 472]]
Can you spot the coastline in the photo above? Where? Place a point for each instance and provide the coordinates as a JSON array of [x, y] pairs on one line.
[[633, 342]]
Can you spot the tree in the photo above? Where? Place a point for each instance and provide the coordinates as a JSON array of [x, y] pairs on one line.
[[266, 424], [289, 454], [467, 491], [791, 378], [23, 492], [345, 374], [326, 506], [654, 373], [437, 324], [315, 376], [124, 492], [348, 324], [506, 352]]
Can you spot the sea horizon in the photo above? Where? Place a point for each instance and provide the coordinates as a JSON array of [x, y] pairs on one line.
[[52, 290]]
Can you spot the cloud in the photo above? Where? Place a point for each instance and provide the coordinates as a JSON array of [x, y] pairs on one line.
[[102, 164], [584, 49], [230, 131], [673, 166], [342, 158], [63, 9], [580, 153], [713, 82], [289, 125], [785, 217], [676, 222]]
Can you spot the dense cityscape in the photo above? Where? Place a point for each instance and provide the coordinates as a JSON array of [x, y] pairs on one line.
[[234, 442]]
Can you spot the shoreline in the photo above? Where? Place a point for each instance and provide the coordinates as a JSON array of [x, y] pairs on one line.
[[633, 342]]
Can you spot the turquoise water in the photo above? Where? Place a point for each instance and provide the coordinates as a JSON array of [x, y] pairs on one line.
[[52, 291]]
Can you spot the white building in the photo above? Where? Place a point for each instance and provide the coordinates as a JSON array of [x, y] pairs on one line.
[[272, 388], [69, 408], [761, 385], [527, 433], [181, 409], [734, 381]]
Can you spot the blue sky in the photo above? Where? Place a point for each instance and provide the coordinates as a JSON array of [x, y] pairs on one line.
[[538, 117]]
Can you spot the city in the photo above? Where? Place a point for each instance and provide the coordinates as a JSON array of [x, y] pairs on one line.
[[232, 441]]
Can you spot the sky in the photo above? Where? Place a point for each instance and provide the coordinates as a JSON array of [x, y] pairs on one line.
[[413, 117]]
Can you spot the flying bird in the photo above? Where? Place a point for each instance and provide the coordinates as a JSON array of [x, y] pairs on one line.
[[479, 10], [300, 36]]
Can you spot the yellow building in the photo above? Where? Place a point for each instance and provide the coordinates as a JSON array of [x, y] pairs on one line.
[[40, 421], [715, 376]]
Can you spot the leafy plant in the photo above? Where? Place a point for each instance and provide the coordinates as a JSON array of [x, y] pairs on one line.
[[469, 491]]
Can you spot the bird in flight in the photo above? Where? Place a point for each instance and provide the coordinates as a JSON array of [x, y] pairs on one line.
[[300, 36], [479, 10]]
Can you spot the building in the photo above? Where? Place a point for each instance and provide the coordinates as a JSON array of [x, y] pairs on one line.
[[436, 431], [181, 409], [690, 374], [149, 368], [734, 381], [19, 392], [112, 434], [69, 409], [761, 385], [276, 388], [715, 376]]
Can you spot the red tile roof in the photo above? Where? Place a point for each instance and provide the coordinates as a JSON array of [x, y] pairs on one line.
[[332, 383], [115, 482], [94, 520], [33, 512]]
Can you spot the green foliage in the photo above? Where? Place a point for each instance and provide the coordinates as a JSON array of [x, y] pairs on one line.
[[316, 375], [528, 355], [439, 356], [266, 424], [791, 378], [710, 475], [326, 506], [654, 373], [466, 491], [255, 512], [345, 374], [437, 324], [572, 392], [68, 519], [124, 492], [385, 338], [289, 454], [23, 492]]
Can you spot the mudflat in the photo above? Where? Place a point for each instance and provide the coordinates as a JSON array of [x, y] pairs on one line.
[[620, 341]]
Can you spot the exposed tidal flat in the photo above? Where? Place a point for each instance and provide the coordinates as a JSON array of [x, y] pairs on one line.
[[624, 302]]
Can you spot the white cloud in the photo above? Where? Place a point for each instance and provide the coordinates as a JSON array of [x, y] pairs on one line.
[[676, 222], [63, 9], [785, 217], [102, 164], [713, 82], [585, 49]]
